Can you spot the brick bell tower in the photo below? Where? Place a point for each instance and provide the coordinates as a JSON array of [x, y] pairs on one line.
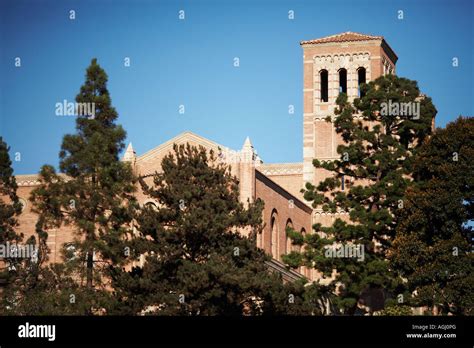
[[334, 64]]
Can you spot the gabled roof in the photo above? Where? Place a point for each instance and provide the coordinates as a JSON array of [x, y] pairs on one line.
[[180, 139], [343, 37]]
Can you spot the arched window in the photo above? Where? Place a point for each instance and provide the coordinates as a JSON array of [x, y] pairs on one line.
[[23, 204], [274, 234], [361, 78], [323, 77], [151, 205], [343, 81], [289, 244]]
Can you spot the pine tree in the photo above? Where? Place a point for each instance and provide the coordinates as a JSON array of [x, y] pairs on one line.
[[10, 206], [19, 274], [34, 288], [432, 250], [368, 182], [197, 260], [94, 193]]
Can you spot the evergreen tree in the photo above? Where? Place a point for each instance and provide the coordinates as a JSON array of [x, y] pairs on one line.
[[368, 182], [94, 194], [432, 250], [197, 260], [10, 206], [19, 274], [35, 288]]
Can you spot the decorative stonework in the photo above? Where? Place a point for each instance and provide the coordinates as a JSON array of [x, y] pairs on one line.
[[327, 213], [388, 68], [328, 160], [32, 180], [26, 182], [282, 169]]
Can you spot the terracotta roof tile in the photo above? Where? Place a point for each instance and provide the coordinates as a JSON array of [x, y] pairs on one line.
[[343, 37]]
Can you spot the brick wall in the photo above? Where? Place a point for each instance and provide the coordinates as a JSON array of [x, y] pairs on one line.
[[27, 224], [281, 206]]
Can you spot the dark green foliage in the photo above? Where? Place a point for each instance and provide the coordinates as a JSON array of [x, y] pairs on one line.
[[294, 258], [375, 164], [35, 288], [432, 250], [198, 263], [10, 206], [50, 290], [396, 310]]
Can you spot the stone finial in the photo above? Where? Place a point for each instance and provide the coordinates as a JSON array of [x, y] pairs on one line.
[[247, 145], [129, 155], [248, 152]]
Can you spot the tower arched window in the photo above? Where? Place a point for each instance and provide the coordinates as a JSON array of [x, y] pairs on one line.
[[324, 81], [361, 78], [343, 81]]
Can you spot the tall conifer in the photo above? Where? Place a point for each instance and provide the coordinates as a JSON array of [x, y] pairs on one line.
[[367, 182]]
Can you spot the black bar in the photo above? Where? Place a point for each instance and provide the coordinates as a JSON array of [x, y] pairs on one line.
[[290, 331]]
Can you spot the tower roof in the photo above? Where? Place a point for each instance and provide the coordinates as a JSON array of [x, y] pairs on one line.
[[350, 36], [343, 37]]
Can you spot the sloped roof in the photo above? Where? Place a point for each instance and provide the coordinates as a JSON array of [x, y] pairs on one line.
[[343, 37], [350, 36], [180, 139]]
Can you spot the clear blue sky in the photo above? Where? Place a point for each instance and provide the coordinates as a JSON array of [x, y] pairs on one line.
[[190, 62]]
